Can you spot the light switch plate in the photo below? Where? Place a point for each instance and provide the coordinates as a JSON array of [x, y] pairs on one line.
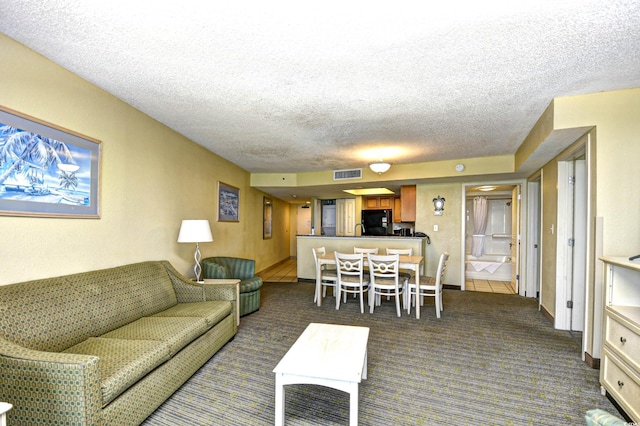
[[435, 228]]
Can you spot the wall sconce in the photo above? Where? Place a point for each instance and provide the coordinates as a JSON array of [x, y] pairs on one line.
[[438, 204]]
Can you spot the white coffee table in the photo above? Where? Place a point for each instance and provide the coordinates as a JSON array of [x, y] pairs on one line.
[[325, 354]]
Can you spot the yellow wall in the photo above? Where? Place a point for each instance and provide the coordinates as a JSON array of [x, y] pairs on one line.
[[616, 135], [616, 117], [449, 236], [151, 179]]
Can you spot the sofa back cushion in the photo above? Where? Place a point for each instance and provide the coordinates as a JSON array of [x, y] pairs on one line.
[[56, 313], [118, 296], [47, 314], [234, 267]]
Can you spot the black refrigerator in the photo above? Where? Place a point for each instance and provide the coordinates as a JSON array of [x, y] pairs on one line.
[[377, 222]]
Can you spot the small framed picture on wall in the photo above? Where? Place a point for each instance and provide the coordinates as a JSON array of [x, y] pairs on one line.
[[228, 203]]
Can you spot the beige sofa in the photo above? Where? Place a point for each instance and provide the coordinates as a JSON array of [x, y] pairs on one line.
[[107, 347]]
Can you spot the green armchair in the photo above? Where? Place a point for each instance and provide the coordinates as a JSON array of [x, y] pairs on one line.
[[242, 269]]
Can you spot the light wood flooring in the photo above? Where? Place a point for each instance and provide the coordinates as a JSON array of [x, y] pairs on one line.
[[286, 271]]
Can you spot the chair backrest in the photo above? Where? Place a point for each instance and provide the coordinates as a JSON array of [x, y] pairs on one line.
[[401, 252], [365, 250], [442, 266], [318, 251], [384, 266], [349, 264]]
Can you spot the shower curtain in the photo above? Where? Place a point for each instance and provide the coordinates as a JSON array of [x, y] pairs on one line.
[[480, 225]]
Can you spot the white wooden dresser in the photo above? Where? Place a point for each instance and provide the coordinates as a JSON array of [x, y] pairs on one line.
[[620, 363]]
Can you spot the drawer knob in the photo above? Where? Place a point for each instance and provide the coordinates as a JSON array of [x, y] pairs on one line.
[[623, 340], [620, 383]]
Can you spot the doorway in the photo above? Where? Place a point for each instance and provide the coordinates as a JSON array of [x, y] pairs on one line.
[[491, 237]]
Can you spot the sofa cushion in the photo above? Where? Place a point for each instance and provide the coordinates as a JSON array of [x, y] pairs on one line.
[[212, 311], [176, 332], [122, 362], [45, 315], [152, 285]]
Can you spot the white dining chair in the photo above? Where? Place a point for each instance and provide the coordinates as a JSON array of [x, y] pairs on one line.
[[404, 273], [365, 250], [328, 276], [401, 252], [351, 277], [385, 280], [428, 287]]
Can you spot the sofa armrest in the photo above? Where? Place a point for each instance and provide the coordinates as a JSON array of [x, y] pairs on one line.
[[34, 379], [225, 291], [186, 290]]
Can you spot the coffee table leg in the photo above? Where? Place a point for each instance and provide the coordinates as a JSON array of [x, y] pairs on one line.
[[279, 401], [353, 405]]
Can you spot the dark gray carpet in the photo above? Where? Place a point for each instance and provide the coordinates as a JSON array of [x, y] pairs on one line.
[[491, 359]]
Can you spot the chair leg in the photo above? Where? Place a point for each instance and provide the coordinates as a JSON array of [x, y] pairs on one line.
[[371, 297], [339, 290], [398, 304]]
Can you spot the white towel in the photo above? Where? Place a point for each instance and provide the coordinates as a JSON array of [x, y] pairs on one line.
[[478, 266], [490, 267]]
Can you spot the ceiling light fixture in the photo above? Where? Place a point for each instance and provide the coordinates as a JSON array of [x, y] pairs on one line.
[[379, 167]]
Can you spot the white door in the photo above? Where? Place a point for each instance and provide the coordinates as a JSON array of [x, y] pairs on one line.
[[345, 217], [571, 246]]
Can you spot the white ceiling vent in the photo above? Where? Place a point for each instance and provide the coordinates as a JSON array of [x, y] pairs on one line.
[[347, 174]]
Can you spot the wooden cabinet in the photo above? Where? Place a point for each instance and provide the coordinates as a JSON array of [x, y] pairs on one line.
[[345, 217], [372, 203], [620, 364], [397, 210], [408, 201]]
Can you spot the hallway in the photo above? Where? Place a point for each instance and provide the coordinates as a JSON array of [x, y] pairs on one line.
[[286, 272]]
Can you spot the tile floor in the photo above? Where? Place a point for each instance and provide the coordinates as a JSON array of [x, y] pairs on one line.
[[286, 271]]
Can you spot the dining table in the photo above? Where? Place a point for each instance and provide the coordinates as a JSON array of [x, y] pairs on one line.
[[411, 263]]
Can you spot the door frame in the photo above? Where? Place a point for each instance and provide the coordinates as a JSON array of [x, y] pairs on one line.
[[521, 239], [534, 248]]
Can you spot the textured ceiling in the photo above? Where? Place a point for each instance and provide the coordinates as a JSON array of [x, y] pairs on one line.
[[296, 87]]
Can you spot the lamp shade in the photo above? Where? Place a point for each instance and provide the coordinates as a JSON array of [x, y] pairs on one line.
[[379, 166], [195, 231]]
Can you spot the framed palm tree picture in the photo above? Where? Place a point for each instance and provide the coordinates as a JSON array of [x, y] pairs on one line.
[[46, 170]]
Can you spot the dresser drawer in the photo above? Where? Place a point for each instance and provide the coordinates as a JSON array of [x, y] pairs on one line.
[[621, 383], [622, 339]]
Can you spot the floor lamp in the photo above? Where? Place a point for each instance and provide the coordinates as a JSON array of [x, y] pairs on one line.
[[195, 231]]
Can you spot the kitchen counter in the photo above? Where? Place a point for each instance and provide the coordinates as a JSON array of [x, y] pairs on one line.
[[305, 244]]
